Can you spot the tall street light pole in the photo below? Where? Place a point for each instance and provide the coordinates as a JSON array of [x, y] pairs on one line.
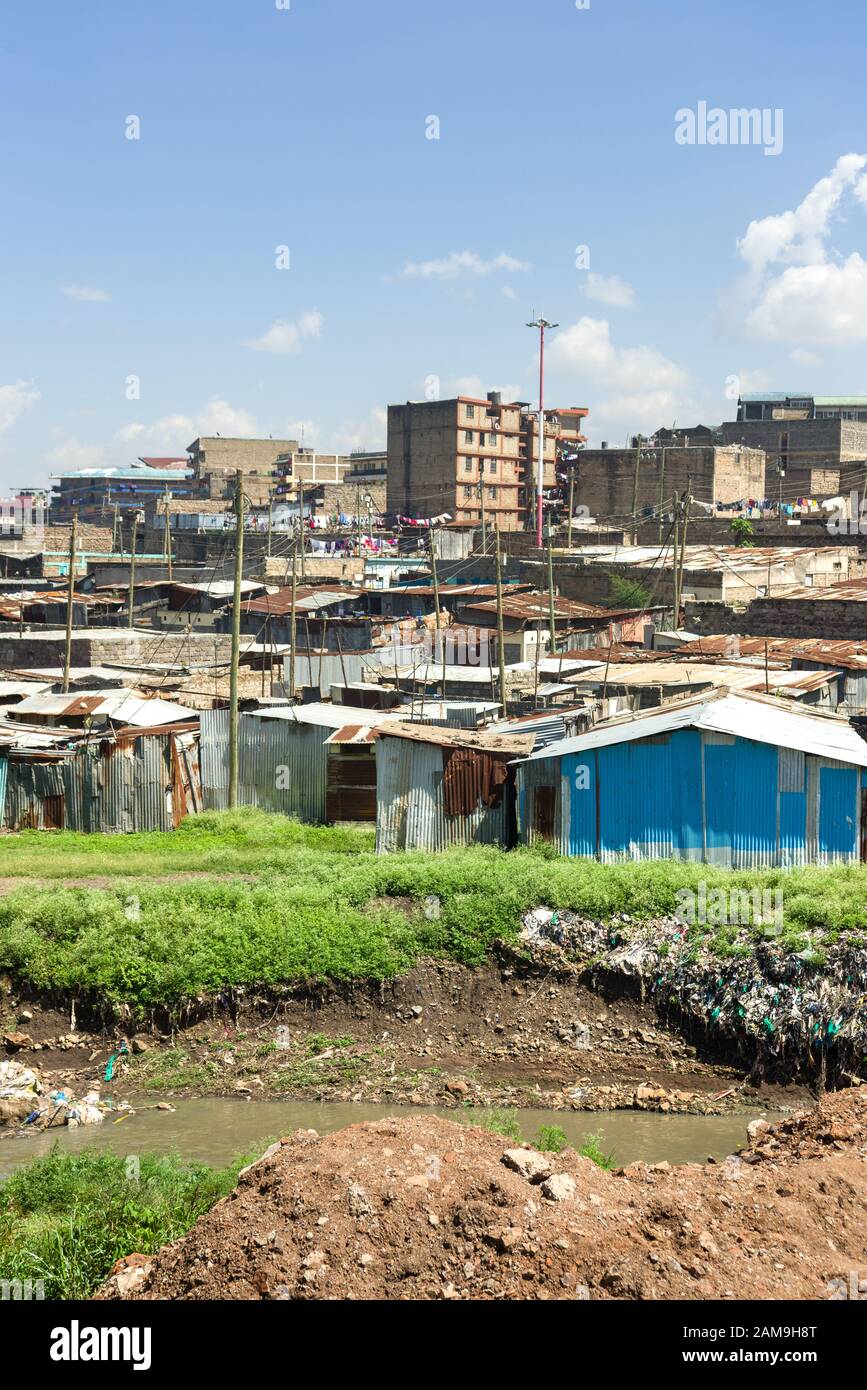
[[541, 324]]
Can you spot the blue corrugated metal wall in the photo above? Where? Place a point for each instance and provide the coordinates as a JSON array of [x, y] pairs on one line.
[[707, 797]]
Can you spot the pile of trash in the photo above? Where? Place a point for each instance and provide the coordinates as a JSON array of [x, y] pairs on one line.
[[25, 1102], [789, 1005]]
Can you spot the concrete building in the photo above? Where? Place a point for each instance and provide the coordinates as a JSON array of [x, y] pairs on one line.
[[820, 441], [97, 493], [215, 460], [467, 455], [606, 478]]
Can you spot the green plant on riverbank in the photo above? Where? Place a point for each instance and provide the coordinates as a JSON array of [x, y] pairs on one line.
[[551, 1139], [592, 1149], [322, 906], [66, 1218]]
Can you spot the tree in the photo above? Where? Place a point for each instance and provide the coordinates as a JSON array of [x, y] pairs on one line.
[[742, 530]]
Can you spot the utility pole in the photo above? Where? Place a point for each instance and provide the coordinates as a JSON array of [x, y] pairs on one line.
[[115, 542], [661, 492], [552, 627], [236, 640], [70, 596], [501, 640], [571, 502], [293, 627], [270, 520], [635, 493], [541, 324], [482, 506], [368, 501], [675, 507], [168, 545], [436, 589], [131, 596]]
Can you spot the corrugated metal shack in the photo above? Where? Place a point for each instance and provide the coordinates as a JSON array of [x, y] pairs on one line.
[[139, 779], [441, 787], [732, 779], [289, 762]]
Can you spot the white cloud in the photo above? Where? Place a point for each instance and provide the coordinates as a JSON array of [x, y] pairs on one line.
[[798, 237], [171, 434], [800, 289], [15, 398], [86, 294], [508, 293], [610, 289], [460, 264], [70, 454], [640, 385], [368, 433], [284, 337], [805, 358], [815, 303]]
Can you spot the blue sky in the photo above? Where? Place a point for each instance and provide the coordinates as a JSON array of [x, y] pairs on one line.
[[413, 258]]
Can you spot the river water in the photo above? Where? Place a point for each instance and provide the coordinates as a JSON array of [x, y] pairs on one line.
[[216, 1130]]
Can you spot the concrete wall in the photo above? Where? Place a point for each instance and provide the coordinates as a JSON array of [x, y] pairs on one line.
[[606, 478]]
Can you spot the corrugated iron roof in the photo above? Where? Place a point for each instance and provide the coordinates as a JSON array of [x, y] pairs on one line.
[[126, 705], [761, 718], [484, 740], [532, 606], [307, 599]]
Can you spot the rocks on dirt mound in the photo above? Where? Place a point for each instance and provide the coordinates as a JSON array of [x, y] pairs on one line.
[[423, 1208]]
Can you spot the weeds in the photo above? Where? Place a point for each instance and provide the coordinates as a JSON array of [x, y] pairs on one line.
[[66, 1218], [321, 906]]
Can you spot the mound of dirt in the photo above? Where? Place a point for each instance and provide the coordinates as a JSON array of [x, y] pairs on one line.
[[423, 1208]]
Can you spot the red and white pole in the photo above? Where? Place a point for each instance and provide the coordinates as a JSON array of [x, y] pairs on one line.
[[541, 324]]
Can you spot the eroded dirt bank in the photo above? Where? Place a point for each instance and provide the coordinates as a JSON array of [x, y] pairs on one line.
[[514, 1033], [427, 1209]]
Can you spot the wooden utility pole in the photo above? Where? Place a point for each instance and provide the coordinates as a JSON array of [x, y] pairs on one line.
[[661, 493], [131, 596], [436, 589], [482, 507], [70, 598], [571, 502], [115, 540], [685, 505], [635, 493], [675, 525], [236, 640], [501, 639], [293, 627], [167, 544], [552, 626], [270, 520]]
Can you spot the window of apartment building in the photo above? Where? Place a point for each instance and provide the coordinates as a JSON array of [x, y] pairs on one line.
[[468, 492], [471, 412], [469, 437], [468, 465], [492, 493], [492, 465], [492, 440]]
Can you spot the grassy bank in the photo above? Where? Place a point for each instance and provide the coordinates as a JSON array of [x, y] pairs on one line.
[[319, 904], [67, 1218]]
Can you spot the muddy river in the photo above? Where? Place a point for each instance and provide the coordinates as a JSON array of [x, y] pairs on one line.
[[217, 1130]]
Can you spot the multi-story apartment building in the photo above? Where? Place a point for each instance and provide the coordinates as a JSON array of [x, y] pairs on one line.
[[467, 454], [817, 444], [95, 493], [215, 460]]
